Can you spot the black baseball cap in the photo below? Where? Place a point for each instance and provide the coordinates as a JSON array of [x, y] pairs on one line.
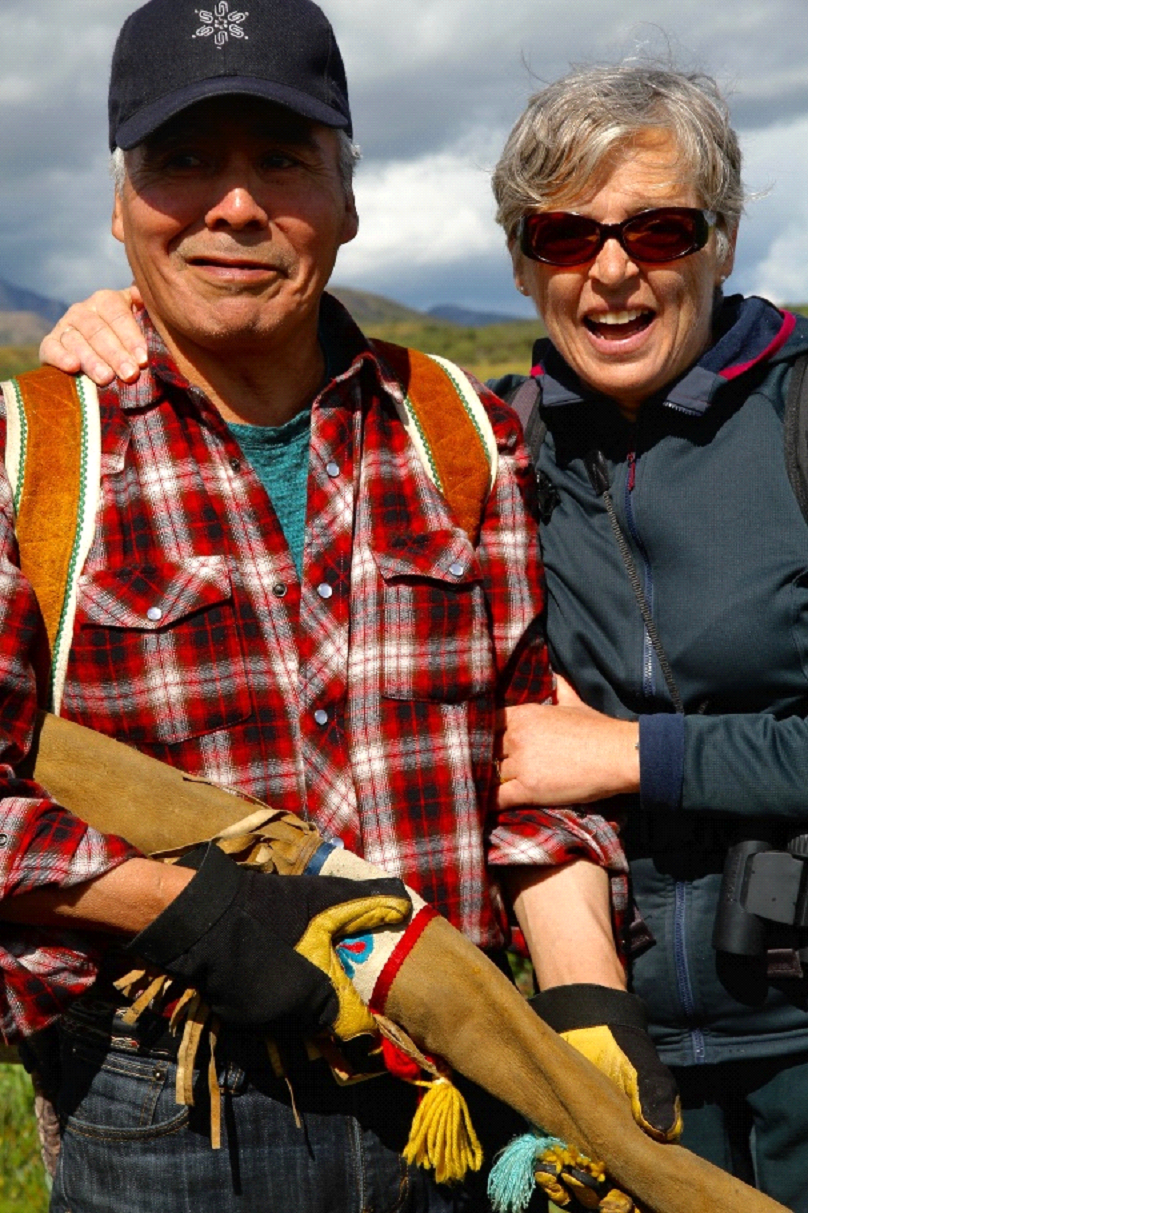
[[172, 53]]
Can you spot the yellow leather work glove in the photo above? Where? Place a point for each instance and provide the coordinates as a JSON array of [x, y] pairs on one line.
[[571, 1180], [610, 1028]]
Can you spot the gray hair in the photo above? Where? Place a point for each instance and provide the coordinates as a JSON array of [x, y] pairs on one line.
[[349, 155], [566, 141]]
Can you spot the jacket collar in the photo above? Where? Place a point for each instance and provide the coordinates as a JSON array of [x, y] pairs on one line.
[[749, 333]]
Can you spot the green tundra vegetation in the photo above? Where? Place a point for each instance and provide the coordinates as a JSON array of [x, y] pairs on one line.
[[487, 351], [15, 359], [23, 1187]]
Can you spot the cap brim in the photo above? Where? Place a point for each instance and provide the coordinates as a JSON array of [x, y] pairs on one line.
[[148, 120]]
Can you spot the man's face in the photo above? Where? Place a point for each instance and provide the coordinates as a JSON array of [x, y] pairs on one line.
[[231, 216]]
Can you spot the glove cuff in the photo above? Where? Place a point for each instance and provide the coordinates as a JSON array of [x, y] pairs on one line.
[[193, 913], [564, 1008]]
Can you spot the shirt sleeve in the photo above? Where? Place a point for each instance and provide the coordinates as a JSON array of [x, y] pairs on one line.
[[41, 844], [750, 765], [510, 557]]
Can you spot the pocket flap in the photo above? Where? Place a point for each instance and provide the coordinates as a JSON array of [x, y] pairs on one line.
[[438, 555], [149, 599]]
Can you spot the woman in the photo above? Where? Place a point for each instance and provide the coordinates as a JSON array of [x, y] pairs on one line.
[[662, 401], [619, 191]]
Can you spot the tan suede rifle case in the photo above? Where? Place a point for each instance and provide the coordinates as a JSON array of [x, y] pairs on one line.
[[447, 994]]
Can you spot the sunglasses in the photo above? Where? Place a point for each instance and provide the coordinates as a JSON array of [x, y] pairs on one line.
[[662, 234]]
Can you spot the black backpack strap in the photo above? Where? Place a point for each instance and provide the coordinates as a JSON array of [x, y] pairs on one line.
[[525, 401], [796, 431]]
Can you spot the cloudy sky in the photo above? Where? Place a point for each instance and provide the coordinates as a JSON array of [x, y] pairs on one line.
[[435, 86]]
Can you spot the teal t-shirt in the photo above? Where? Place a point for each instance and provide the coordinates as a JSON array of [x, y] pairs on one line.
[[279, 456]]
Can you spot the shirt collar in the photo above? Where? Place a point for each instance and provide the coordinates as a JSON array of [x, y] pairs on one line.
[[346, 351], [749, 331]]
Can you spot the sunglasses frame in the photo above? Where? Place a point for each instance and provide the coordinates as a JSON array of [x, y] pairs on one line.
[[704, 221]]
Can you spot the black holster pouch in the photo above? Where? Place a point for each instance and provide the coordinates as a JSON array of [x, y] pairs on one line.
[[764, 900]]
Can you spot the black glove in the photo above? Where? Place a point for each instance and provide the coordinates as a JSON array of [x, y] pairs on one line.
[[259, 947], [610, 1028]]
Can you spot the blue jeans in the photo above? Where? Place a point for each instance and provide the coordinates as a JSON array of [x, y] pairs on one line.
[[128, 1147]]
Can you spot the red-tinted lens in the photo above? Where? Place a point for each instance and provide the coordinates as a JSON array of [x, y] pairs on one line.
[[661, 234], [665, 233], [559, 238]]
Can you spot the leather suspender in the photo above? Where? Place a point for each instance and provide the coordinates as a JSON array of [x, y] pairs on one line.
[[52, 455]]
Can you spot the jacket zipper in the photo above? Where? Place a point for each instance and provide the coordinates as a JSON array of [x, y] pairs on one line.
[[648, 656], [680, 888]]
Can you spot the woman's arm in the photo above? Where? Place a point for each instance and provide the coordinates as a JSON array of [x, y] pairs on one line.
[[96, 335], [748, 764], [566, 753]]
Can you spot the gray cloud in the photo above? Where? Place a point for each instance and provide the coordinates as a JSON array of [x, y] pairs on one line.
[[435, 85]]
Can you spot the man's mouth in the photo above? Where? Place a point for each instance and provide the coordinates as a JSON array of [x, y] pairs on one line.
[[236, 268], [618, 326], [228, 263]]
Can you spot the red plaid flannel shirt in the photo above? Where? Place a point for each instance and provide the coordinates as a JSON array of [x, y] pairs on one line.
[[370, 711]]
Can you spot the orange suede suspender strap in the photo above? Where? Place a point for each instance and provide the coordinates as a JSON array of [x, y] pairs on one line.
[[52, 455], [449, 428]]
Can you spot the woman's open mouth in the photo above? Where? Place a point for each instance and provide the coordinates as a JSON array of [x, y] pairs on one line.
[[619, 326]]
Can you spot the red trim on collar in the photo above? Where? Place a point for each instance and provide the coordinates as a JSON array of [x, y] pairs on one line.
[[786, 327]]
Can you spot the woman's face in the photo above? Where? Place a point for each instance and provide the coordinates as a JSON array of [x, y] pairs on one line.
[[627, 328]]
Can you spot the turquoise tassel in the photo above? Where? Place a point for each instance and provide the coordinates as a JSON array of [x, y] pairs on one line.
[[513, 1175]]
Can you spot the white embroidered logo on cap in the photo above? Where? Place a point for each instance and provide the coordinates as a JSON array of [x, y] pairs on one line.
[[221, 24]]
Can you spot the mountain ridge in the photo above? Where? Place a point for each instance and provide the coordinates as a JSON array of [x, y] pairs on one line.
[[25, 315]]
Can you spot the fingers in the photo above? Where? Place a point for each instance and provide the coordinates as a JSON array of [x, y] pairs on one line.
[[566, 697], [573, 1181], [99, 337], [511, 795]]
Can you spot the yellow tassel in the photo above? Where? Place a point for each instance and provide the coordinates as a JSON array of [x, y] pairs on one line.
[[442, 1137]]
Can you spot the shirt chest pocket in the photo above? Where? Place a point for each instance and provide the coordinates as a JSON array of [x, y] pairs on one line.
[[435, 633], [157, 655]]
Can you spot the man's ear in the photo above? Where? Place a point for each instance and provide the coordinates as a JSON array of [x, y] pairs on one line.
[[117, 217], [351, 219]]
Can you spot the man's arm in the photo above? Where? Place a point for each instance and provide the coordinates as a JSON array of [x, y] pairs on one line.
[[565, 914], [123, 901]]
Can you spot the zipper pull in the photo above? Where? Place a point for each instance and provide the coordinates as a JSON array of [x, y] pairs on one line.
[[597, 471]]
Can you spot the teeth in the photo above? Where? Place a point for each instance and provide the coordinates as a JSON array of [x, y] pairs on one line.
[[618, 317]]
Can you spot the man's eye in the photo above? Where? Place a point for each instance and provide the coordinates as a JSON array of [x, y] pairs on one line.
[[280, 160], [175, 161]]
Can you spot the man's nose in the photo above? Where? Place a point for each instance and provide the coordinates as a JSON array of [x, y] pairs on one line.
[[237, 207]]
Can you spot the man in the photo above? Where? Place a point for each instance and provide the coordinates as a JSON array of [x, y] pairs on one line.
[[275, 599]]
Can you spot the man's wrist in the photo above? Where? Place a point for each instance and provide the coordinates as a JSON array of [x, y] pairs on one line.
[[122, 901]]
